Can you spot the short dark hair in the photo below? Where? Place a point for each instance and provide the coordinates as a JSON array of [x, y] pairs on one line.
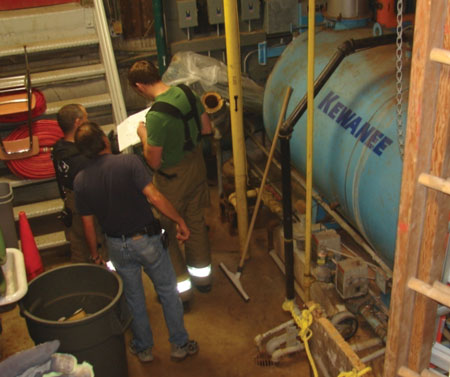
[[67, 116], [89, 139], [143, 72]]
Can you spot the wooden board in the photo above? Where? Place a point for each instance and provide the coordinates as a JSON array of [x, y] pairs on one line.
[[331, 352]]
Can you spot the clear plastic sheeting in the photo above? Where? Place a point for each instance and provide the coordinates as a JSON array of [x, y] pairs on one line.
[[204, 74]]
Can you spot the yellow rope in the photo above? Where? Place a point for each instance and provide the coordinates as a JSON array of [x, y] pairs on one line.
[[303, 320], [355, 373]]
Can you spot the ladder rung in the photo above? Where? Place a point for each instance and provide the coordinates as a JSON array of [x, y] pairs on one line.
[[7, 83], [19, 182], [435, 182], [438, 291], [440, 55], [48, 241], [406, 372], [87, 102], [50, 45], [38, 209], [67, 74]]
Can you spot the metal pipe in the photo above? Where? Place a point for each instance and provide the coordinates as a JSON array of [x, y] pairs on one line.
[[335, 215], [367, 311], [160, 35], [361, 346], [266, 172], [236, 114], [246, 58], [373, 355], [217, 141], [287, 216], [218, 113], [347, 48], [282, 268], [309, 142]]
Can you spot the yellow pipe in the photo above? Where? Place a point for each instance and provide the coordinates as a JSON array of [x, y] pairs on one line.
[[237, 122], [309, 140]]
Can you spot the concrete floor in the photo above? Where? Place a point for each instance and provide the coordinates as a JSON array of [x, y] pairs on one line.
[[221, 322]]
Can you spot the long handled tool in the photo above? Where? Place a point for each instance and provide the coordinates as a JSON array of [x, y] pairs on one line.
[[235, 277]]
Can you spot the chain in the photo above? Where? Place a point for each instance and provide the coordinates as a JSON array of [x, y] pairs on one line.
[[399, 77]]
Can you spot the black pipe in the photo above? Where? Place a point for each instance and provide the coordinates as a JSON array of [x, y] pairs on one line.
[[347, 48], [287, 216]]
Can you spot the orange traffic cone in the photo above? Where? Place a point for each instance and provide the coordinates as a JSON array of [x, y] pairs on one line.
[[33, 261]]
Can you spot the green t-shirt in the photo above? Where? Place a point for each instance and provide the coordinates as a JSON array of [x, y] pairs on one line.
[[167, 131]]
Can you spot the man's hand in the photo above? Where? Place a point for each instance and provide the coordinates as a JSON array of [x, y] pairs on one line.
[[183, 232], [98, 260], [142, 131]]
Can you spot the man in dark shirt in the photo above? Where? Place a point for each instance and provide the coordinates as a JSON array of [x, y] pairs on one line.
[[68, 161], [118, 190]]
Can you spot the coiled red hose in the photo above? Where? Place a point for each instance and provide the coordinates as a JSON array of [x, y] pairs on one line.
[[39, 166], [39, 109]]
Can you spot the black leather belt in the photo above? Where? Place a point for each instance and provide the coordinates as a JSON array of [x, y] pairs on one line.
[[150, 230]]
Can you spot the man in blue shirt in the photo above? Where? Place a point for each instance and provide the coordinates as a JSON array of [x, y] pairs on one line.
[[118, 190]]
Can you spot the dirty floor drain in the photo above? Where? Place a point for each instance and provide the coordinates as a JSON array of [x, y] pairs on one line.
[[263, 359]]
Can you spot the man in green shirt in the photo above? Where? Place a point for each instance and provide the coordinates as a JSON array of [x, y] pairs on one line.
[[171, 144]]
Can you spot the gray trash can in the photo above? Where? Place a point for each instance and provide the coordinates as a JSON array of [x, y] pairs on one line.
[[97, 338], [7, 223]]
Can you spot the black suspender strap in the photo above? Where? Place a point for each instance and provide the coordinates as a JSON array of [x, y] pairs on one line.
[[167, 108], [193, 113]]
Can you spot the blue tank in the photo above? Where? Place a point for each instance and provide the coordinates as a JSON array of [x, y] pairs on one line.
[[357, 160]]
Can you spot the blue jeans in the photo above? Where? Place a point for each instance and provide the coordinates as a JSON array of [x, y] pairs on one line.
[[129, 256]]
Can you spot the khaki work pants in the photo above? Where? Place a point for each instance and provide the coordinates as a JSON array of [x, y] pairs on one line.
[[189, 194]]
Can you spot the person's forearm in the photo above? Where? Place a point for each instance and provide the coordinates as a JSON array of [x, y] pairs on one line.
[[90, 235], [160, 202]]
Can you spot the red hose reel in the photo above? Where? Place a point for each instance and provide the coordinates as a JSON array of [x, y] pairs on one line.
[[39, 166]]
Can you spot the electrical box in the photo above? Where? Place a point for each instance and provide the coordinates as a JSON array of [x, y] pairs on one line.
[[215, 12], [280, 16], [352, 278], [250, 10], [325, 242], [187, 13]]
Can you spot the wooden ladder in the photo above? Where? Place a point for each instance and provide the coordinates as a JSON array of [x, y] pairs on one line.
[[422, 232]]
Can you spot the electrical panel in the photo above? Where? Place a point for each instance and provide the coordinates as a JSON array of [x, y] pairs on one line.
[[250, 10], [187, 13], [280, 16], [215, 12]]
